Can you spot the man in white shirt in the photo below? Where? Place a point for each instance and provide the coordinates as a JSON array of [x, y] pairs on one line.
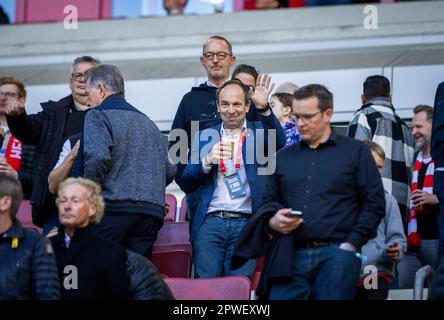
[[226, 172]]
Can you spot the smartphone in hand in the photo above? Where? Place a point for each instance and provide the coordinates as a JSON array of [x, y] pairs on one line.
[[295, 213]]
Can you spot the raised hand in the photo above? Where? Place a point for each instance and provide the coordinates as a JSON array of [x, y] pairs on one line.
[[15, 107], [262, 91]]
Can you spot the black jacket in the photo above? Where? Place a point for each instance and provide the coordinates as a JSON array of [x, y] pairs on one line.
[[44, 130], [437, 287], [437, 142], [100, 264], [146, 282], [28, 271]]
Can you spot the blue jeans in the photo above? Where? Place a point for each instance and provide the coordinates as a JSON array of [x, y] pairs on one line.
[[427, 254], [322, 273], [213, 248]]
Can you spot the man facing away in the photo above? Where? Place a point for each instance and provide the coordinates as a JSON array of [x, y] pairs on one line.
[[378, 121], [123, 152]]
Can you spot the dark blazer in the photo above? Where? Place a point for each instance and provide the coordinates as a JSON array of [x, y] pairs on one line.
[[194, 177], [100, 263]]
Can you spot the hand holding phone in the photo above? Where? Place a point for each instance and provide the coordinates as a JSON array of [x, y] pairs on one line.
[[295, 213]]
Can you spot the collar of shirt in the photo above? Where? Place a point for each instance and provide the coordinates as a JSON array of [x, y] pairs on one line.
[[67, 240], [222, 129], [209, 83], [332, 139]]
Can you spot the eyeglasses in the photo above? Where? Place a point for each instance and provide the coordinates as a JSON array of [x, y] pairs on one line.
[[305, 118], [10, 95], [220, 55], [78, 76]]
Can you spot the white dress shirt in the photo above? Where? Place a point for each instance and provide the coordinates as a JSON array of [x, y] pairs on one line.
[[221, 197]]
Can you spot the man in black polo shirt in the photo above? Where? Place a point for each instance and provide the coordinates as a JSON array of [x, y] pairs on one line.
[[333, 183]]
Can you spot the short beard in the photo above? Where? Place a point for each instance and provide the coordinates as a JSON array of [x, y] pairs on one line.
[[419, 144]]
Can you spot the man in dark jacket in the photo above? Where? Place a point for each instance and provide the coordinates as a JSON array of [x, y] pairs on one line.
[[322, 204], [198, 111], [48, 130], [28, 268], [437, 152], [89, 266]]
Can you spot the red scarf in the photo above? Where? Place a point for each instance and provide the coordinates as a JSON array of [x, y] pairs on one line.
[[413, 239], [13, 153]]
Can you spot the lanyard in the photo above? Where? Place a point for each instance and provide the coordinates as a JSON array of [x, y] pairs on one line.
[[223, 169]]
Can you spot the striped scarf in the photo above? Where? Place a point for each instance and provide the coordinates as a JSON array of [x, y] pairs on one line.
[[413, 239]]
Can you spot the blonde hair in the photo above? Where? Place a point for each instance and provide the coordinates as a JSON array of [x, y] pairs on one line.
[[94, 195], [374, 147]]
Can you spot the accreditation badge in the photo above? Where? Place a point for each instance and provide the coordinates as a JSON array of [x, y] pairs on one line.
[[234, 185]]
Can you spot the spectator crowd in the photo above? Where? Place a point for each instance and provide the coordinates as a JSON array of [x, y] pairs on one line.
[[336, 217]]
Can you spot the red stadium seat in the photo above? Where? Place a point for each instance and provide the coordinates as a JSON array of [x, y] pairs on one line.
[[260, 264], [183, 210], [28, 11], [24, 215], [173, 233], [225, 288], [173, 246], [175, 263], [171, 200]]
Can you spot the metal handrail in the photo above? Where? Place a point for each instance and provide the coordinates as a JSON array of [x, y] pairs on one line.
[[426, 273]]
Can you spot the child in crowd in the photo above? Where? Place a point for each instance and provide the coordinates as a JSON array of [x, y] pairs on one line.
[[281, 104], [386, 248]]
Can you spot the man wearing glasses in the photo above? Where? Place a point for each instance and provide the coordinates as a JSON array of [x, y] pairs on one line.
[[16, 159], [198, 107], [48, 130], [324, 201]]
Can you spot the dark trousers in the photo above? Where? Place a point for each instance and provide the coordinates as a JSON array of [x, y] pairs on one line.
[[134, 231], [381, 293]]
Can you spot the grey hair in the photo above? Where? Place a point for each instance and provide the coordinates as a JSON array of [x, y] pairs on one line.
[[94, 195], [109, 76], [84, 59]]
